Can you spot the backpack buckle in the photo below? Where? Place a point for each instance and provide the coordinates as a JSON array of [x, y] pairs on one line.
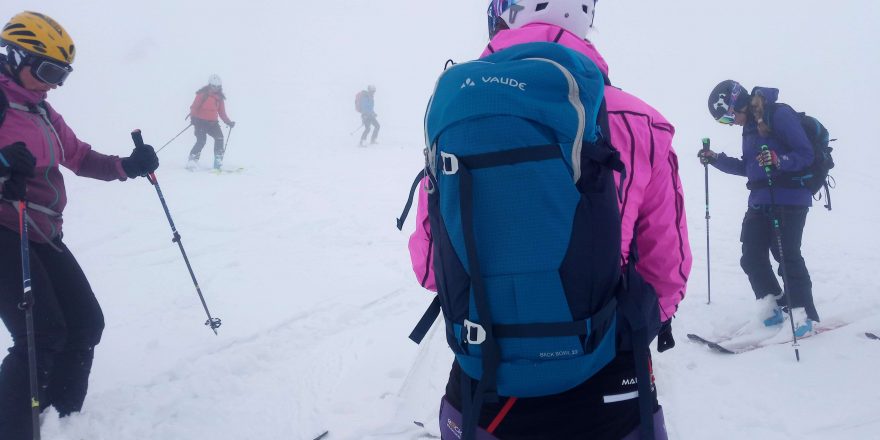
[[474, 334], [449, 163]]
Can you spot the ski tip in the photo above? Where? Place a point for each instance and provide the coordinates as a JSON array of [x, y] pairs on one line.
[[323, 435], [872, 336], [713, 345], [419, 424]]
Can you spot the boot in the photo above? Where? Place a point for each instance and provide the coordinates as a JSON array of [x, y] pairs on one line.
[[770, 311], [193, 163]]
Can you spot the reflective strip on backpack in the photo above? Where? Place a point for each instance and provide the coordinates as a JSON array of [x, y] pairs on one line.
[[574, 97]]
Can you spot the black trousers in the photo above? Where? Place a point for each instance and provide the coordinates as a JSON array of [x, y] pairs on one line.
[[759, 242], [203, 129], [370, 121], [579, 413], [68, 323]]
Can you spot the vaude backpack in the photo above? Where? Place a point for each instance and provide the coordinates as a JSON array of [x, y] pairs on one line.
[[525, 225]]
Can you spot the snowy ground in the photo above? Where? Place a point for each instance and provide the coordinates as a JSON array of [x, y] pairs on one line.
[[299, 256]]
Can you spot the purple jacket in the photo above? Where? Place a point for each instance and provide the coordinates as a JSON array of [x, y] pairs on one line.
[[788, 140], [52, 145]]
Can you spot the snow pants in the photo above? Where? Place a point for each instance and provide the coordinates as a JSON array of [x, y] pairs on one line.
[[604, 407], [370, 122], [203, 129], [759, 242], [68, 323], [451, 421]]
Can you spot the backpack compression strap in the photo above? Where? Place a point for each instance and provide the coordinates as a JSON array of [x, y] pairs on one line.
[[409, 201]]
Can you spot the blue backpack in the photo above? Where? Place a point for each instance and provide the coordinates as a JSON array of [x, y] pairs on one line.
[[525, 223]]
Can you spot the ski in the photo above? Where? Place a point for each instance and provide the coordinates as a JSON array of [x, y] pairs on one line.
[[872, 336], [323, 435], [229, 171], [725, 346], [713, 345]]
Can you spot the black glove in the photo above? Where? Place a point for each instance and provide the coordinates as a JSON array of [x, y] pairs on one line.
[[665, 341], [14, 189], [143, 160], [231, 124], [16, 161], [707, 157]]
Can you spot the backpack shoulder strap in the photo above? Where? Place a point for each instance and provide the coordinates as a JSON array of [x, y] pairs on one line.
[[771, 112], [4, 105]]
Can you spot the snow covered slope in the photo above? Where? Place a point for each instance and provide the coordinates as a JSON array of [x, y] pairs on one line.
[[298, 254]]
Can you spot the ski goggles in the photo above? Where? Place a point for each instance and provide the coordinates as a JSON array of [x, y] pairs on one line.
[[728, 118], [50, 72], [495, 12]]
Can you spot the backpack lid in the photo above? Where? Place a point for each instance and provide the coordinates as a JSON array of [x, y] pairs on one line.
[[542, 82]]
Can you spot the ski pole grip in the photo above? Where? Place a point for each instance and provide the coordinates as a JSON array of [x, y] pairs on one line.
[[767, 168], [139, 142], [706, 144], [137, 137]]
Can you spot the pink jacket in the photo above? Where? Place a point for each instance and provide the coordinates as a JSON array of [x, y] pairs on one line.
[[652, 205], [208, 105], [53, 145]]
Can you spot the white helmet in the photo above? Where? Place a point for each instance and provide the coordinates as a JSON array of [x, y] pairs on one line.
[[575, 16], [214, 80], [371, 88]]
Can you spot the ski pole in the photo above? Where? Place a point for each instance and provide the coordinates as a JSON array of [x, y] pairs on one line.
[[228, 135], [175, 137], [214, 323], [777, 233], [356, 129], [708, 254], [27, 305]]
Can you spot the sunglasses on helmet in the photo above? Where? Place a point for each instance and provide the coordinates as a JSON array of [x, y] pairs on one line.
[[50, 72]]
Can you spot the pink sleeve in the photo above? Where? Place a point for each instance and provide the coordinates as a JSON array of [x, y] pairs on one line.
[[662, 239], [421, 244], [222, 112]]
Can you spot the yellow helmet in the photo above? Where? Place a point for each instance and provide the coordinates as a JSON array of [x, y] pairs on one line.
[[39, 35]]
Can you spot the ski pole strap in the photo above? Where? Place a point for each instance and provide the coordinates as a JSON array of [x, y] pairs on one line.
[[421, 329], [409, 200]]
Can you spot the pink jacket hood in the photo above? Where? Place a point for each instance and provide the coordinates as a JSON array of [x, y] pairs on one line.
[[531, 33]]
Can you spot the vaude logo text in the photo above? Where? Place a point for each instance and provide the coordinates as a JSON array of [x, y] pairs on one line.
[[506, 81]]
